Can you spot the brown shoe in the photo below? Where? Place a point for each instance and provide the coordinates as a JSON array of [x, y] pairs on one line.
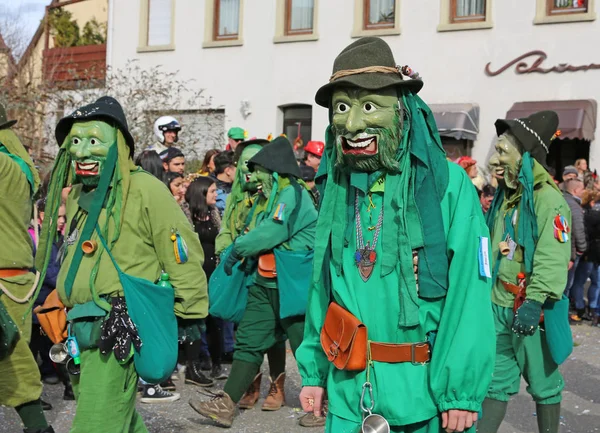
[[252, 394], [220, 408], [276, 397], [310, 420]]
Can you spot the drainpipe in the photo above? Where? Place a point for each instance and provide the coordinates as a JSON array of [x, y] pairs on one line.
[[109, 32]]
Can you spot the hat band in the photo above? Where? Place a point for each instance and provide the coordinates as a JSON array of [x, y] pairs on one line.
[[535, 134], [366, 70]]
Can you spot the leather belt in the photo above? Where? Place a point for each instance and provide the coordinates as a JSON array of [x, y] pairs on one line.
[[7, 273], [511, 288], [417, 353]]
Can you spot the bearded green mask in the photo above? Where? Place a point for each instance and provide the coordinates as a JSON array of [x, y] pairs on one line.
[[506, 163], [242, 166], [367, 128], [88, 144], [263, 179]]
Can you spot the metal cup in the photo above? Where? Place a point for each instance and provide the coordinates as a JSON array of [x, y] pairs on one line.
[[58, 353], [73, 368], [374, 423]]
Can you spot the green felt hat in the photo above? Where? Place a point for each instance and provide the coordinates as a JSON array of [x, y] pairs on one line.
[[535, 132], [236, 133], [240, 147], [277, 156], [365, 53], [4, 122]]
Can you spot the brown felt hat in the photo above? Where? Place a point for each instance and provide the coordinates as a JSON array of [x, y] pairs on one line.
[[364, 53]]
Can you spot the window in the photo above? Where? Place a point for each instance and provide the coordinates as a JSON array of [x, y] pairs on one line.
[[465, 15], [564, 11], [467, 10], [297, 122], [376, 18], [227, 19], [223, 23], [157, 25], [299, 17]]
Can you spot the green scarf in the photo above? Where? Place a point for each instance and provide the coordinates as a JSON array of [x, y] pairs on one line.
[[14, 148], [531, 175], [414, 192]]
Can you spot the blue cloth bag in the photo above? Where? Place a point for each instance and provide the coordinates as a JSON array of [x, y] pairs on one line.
[[228, 294]]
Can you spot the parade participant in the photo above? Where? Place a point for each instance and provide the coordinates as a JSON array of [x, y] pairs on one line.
[[283, 218], [530, 248], [173, 159], [20, 383], [313, 151], [469, 165], [394, 212], [136, 231], [235, 136], [166, 129]]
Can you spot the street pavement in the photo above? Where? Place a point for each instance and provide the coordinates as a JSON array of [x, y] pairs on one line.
[[580, 413]]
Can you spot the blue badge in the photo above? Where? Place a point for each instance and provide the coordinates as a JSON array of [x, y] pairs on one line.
[[278, 215]]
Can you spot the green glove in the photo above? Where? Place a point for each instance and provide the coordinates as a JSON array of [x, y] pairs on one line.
[[230, 261], [190, 329], [527, 318]]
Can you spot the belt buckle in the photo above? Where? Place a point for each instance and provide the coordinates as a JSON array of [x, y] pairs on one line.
[[413, 350]]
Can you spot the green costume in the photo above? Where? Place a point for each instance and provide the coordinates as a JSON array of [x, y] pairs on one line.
[[524, 217], [138, 221], [20, 382], [389, 193], [283, 217]]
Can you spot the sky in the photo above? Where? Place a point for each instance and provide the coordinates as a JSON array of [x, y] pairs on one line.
[[27, 12]]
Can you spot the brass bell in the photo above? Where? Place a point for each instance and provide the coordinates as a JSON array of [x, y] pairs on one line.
[[89, 247]]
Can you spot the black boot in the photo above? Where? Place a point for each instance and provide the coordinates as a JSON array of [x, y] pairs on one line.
[[194, 376], [48, 429], [492, 416], [548, 417], [68, 394]]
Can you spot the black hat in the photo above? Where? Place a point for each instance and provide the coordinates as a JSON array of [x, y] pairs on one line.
[[4, 122], [240, 147], [364, 53], [534, 133], [170, 153], [104, 108], [277, 156]]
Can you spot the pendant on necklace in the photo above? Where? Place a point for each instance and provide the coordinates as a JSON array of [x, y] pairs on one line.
[[365, 260]]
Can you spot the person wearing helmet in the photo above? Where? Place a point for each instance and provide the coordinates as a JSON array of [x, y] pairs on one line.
[[313, 151], [166, 129]]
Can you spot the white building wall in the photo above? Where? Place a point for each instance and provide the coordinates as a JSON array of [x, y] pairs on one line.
[[451, 63]]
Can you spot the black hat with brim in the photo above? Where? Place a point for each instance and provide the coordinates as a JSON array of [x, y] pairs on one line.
[[4, 122], [534, 133], [240, 147], [277, 156], [105, 108], [365, 53]]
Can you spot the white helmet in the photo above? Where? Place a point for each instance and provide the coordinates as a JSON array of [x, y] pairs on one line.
[[166, 123]]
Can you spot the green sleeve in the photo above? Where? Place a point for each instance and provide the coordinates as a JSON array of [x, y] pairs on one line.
[[163, 215], [464, 349], [551, 258], [224, 238], [269, 232]]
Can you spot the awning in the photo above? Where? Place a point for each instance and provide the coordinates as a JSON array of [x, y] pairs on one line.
[[576, 118], [459, 121]]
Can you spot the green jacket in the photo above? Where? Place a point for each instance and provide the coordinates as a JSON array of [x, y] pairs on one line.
[[460, 325], [551, 257], [144, 249], [15, 215]]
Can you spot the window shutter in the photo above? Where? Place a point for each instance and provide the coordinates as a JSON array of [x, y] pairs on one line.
[[159, 22]]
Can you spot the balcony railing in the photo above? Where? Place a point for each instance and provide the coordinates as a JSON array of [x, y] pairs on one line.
[[74, 67]]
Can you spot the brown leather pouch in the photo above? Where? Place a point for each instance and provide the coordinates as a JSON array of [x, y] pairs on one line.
[[266, 266], [344, 339], [53, 318]]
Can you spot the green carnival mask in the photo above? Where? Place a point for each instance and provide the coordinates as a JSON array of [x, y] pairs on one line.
[[88, 144], [242, 166], [367, 128], [506, 162], [263, 179]]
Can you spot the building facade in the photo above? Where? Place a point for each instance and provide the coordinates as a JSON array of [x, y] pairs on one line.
[[261, 61]]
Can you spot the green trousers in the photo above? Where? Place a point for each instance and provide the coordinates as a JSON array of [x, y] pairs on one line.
[[530, 357], [20, 380], [340, 425], [105, 392], [258, 331]]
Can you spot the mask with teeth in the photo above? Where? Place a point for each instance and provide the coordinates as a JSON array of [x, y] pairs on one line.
[[244, 171], [505, 164], [88, 144], [367, 128], [263, 179]]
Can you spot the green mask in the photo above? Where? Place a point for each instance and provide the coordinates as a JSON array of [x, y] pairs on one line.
[[367, 129], [263, 179], [242, 166], [505, 164], [88, 143]]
